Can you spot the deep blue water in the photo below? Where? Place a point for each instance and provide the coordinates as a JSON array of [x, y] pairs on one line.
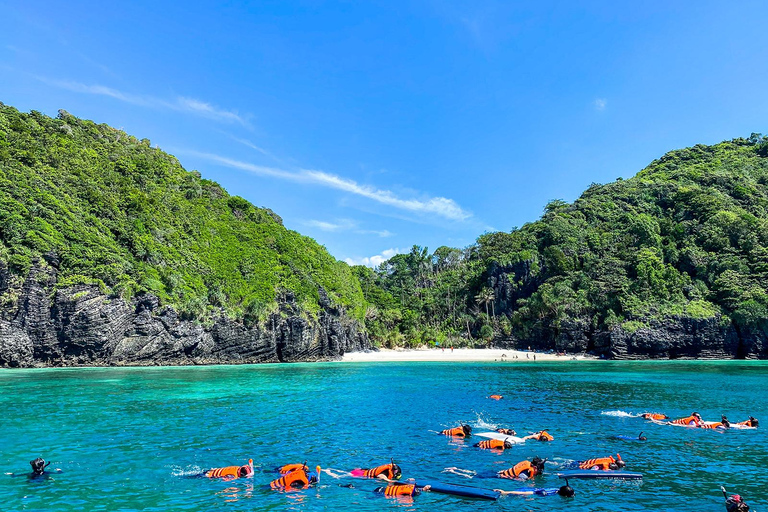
[[125, 438]]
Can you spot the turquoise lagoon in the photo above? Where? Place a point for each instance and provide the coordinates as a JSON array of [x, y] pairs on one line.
[[127, 438]]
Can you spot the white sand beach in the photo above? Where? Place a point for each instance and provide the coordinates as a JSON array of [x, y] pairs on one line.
[[459, 355]]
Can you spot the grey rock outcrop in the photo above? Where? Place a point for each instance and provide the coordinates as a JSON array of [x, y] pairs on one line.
[[81, 326], [676, 337]]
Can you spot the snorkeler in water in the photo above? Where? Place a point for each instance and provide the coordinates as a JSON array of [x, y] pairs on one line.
[[39, 467], [299, 478], [231, 472]]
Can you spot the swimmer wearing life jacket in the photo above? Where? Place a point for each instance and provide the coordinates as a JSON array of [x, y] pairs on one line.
[[541, 435], [388, 472], [603, 463], [694, 420], [297, 479], [496, 397], [290, 467], [654, 416], [524, 470], [722, 424], [462, 431], [231, 472], [751, 422], [398, 490], [494, 444], [506, 431]]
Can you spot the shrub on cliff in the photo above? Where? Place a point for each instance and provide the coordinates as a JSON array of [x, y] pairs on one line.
[[121, 214]]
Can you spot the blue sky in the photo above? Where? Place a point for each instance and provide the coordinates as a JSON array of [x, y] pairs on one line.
[[374, 126]]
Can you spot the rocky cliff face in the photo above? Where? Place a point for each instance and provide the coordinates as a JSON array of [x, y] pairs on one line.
[[676, 337], [44, 326]]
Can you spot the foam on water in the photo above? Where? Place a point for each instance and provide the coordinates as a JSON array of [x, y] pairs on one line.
[[620, 414]]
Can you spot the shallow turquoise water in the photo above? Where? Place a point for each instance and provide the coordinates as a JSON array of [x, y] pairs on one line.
[[125, 438]]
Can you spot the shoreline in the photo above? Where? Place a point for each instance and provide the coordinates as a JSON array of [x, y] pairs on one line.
[[460, 355]]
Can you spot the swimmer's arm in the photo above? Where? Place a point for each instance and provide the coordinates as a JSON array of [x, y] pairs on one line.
[[516, 493]]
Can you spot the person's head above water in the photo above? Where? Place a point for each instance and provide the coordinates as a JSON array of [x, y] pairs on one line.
[[566, 491], [696, 415], [641, 437], [38, 466], [467, 429], [752, 421], [538, 463]]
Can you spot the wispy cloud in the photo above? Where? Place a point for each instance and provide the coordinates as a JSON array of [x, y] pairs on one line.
[[345, 225], [444, 207], [376, 260], [600, 103], [179, 104]]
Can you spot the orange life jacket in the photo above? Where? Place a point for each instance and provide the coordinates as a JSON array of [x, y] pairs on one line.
[[712, 425], [454, 432], [229, 471], [518, 469], [654, 416], [545, 436], [386, 468], [491, 444], [296, 478], [686, 421], [290, 467], [496, 397], [603, 463], [747, 423], [400, 490]]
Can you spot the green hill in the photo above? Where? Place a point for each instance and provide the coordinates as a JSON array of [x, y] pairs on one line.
[[687, 237], [109, 209]]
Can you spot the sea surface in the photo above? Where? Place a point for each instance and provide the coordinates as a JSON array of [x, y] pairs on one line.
[[130, 438]]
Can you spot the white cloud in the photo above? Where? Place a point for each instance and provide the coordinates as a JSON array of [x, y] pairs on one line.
[[600, 103], [179, 104], [376, 260], [441, 206], [345, 225]]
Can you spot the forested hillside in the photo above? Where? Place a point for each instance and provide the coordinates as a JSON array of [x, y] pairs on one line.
[[108, 209], [684, 243]]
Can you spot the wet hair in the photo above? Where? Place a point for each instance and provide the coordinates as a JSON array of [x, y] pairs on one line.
[[697, 415], [538, 462], [613, 466], [467, 429], [620, 463], [641, 437], [752, 421], [507, 445], [396, 471], [244, 470], [38, 466], [566, 491]]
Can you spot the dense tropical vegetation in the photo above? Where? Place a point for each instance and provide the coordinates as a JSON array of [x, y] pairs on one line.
[[117, 213], [687, 236]]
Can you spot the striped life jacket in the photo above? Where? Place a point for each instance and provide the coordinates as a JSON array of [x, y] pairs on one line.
[[654, 416], [229, 471], [296, 478], [603, 463], [518, 469], [400, 490], [686, 421], [290, 467], [389, 469], [454, 432], [491, 444]]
